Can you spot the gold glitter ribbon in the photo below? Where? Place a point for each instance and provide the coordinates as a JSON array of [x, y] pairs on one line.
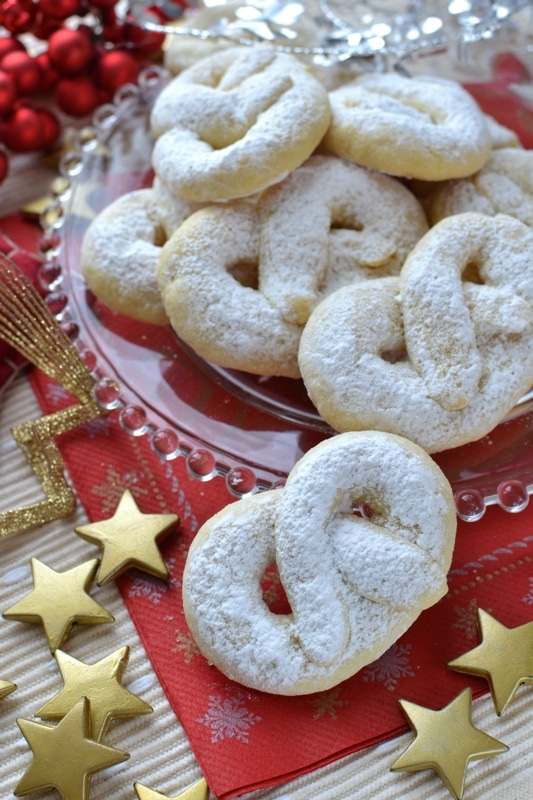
[[27, 325]]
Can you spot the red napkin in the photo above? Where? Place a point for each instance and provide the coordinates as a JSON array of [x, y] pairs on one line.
[[244, 739]]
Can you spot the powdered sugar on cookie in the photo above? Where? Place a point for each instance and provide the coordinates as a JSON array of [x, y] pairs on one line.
[[354, 585], [411, 356], [426, 128], [120, 252], [240, 120]]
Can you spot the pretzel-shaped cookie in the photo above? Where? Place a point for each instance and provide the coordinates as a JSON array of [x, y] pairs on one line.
[[237, 122], [329, 223], [439, 354], [423, 127], [121, 247], [207, 273], [504, 185], [238, 281], [354, 585]]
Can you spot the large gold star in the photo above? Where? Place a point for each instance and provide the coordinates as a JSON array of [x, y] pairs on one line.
[[6, 688], [64, 756], [101, 684], [58, 600], [504, 658], [197, 791], [446, 741], [129, 539]]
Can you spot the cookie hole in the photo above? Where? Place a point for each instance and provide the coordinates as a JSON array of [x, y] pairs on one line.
[[274, 595], [394, 356], [245, 272], [346, 221], [160, 236], [472, 274]]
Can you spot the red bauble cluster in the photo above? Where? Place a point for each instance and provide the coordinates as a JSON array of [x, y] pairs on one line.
[[80, 66]]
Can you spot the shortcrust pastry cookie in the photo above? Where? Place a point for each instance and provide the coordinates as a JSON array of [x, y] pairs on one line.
[[439, 354], [237, 122], [121, 248], [503, 186], [239, 281], [424, 127], [354, 585]]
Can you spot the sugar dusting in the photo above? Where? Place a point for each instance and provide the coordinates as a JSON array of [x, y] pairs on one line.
[[240, 120], [424, 127], [341, 348], [347, 606]]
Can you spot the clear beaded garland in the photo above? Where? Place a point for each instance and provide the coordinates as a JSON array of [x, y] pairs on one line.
[[347, 29]]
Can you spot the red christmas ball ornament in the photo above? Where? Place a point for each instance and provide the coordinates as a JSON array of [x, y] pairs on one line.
[[21, 131], [49, 75], [8, 92], [145, 41], [44, 26], [4, 166], [112, 29], [103, 5], [69, 51], [17, 16], [115, 68], [8, 44], [24, 70], [114, 34], [59, 9], [50, 127], [76, 96]]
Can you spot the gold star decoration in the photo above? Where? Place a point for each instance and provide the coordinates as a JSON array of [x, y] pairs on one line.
[[197, 791], [64, 756], [6, 688], [504, 658], [446, 741], [101, 684], [58, 600], [27, 325], [129, 539]]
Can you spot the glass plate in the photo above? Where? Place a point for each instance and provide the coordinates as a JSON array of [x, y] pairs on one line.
[[248, 429]]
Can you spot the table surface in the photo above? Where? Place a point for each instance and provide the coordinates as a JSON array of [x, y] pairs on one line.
[[159, 753]]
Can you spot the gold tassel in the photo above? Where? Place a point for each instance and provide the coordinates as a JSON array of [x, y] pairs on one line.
[[27, 325]]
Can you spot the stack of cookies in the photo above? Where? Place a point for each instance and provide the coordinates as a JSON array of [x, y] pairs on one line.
[[352, 237]]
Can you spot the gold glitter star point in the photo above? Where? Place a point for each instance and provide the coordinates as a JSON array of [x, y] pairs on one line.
[[6, 687], [504, 657], [101, 684], [129, 539], [64, 756], [445, 742], [58, 600], [197, 791], [27, 325]]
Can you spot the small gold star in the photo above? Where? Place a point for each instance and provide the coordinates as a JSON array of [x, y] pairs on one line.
[[504, 658], [101, 684], [6, 688], [64, 757], [128, 539], [197, 791], [58, 600], [446, 741]]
